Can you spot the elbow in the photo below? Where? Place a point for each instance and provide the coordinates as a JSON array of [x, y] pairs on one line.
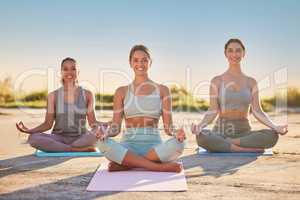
[[212, 113], [92, 124], [257, 112], [168, 132]]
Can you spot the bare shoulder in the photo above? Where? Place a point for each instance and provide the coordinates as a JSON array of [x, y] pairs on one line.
[[164, 90], [216, 80], [51, 96], [88, 93], [251, 81], [51, 99], [121, 91]]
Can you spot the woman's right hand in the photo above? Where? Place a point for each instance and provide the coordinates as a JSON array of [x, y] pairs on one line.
[[281, 129], [180, 135], [21, 127]]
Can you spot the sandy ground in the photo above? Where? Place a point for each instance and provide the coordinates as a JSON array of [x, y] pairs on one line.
[[24, 176]]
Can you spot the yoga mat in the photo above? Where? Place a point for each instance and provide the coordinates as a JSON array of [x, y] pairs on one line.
[[40, 153], [201, 151], [136, 180]]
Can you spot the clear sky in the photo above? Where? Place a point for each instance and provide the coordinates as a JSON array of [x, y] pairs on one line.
[[185, 37]]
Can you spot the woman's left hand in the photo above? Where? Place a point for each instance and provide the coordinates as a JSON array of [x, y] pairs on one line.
[[180, 135], [101, 133], [281, 129]]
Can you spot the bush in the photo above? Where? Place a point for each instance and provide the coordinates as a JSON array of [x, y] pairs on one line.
[[106, 98], [35, 96]]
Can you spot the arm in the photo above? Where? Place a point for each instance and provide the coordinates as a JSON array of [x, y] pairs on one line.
[[49, 118], [167, 115], [166, 110], [213, 109], [91, 117], [259, 114], [118, 111]]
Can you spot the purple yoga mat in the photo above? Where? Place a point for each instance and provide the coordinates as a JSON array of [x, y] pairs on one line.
[[136, 180]]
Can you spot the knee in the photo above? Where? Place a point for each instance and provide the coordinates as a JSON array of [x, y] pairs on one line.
[[213, 143], [33, 139], [112, 150], [272, 138], [91, 139], [104, 146], [170, 150], [202, 141], [175, 145]]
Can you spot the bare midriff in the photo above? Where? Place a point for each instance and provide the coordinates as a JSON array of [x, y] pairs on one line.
[[140, 122], [234, 114]]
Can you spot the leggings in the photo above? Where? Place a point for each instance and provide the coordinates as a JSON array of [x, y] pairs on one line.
[[60, 143], [140, 141], [215, 140]]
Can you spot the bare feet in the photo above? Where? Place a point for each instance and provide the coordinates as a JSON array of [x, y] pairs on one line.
[[113, 167], [171, 167], [165, 167], [235, 148], [236, 141], [83, 149]]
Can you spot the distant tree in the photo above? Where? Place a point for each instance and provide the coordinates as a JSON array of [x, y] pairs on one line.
[[6, 91]]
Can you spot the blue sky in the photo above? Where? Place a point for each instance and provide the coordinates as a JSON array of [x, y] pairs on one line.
[[180, 35]]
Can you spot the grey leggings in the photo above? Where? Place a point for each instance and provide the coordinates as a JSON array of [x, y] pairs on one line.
[[59, 143], [215, 140]]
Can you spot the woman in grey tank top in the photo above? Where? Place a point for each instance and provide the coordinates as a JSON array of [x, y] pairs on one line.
[[231, 96], [67, 108]]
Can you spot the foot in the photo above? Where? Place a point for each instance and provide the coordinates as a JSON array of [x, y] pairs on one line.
[[234, 141], [83, 149], [171, 167], [235, 148], [113, 167]]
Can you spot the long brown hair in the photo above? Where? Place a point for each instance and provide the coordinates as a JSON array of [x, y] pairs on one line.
[[234, 40], [139, 47]]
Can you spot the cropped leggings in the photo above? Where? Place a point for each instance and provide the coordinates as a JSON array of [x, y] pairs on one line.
[[140, 141], [59, 143], [215, 140]]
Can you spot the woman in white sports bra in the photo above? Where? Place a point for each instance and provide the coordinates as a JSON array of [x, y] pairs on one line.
[[141, 104], [231, 96]]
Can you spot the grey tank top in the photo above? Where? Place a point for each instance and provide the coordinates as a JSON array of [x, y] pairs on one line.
[[230, 99], [70, 118], [142, 106]]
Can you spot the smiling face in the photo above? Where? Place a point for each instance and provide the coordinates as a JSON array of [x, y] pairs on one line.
[[234, 53], [140, 62], [69, 71]]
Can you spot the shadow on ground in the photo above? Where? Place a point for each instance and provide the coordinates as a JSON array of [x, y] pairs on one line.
[[216, 166], [27, 163], [73, 188]]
